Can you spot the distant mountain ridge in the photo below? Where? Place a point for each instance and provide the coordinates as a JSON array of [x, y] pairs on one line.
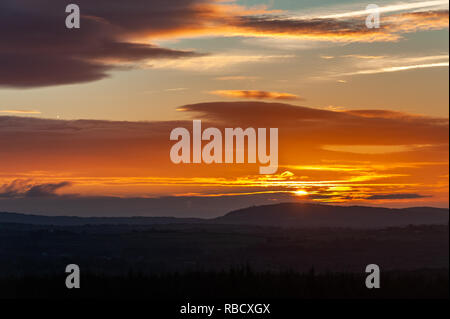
[[317, 215], [280, 215]]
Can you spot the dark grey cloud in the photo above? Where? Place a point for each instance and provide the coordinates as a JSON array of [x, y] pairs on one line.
[[26, 189], [36, 49], [396, 196], [326, 126], [45, 190], [282, 24]]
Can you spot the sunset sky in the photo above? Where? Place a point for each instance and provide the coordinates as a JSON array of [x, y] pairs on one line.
[[87, 113]]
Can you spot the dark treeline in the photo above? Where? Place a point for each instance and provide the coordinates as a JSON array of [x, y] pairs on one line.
[[183, 261], [232, 284], [115, 249]]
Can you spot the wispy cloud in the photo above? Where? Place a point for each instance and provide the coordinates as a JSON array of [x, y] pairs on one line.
[[18, 112], [237, 78], [400, 68], [214, 62], [365, 65], [371, 149], [363, 56], [438, 4], [175, 89]]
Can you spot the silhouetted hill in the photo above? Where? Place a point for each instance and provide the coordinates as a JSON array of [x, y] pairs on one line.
[[316, 215], [280, 215], [74, 220]]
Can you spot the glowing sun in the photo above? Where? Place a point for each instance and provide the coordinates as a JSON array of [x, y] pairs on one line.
[[301, 192]]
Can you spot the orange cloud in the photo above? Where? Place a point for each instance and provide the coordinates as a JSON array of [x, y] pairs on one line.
[[258, 95], [339, 29], [224, 19], [415, 21]]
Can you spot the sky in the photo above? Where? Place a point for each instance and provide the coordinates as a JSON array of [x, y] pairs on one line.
[[86, 114]]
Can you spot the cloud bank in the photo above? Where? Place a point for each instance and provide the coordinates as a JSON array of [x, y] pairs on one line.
[[324, 155]]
